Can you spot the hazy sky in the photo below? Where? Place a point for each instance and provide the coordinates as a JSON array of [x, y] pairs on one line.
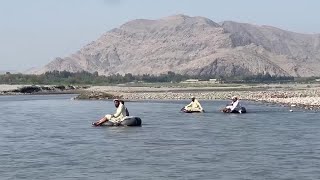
[[33, 32]]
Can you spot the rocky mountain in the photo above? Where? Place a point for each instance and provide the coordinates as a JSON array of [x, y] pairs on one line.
[[197, 46]]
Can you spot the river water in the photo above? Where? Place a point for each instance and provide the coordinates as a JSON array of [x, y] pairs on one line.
[[50, 137]]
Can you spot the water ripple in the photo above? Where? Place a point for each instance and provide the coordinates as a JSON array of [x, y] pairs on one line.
[[50, 137]]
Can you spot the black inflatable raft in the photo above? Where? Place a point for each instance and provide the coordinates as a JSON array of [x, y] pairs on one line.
[[186, 111], [127, 121], [240, 111]]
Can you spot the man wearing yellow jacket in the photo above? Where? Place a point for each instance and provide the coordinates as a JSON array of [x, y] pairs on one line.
[[115, 118], [194, 105]]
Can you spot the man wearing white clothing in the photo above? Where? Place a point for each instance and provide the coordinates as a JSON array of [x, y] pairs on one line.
[[194, 106], [121, 112], [235, 105]]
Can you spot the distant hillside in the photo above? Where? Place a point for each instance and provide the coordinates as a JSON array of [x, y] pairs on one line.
[[5, 71], [195, 46]]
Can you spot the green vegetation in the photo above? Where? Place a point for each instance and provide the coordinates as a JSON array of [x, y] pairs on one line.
[[259, 78], [80, 78], [64, 77]]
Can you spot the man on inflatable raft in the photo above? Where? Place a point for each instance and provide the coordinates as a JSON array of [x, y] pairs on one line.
[[120, 118], [194, 106], [234, 107]]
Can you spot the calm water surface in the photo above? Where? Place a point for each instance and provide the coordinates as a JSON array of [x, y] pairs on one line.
[[50, 137]]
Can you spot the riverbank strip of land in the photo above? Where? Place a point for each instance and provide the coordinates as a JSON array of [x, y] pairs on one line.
[[300, 95], [304, 96]]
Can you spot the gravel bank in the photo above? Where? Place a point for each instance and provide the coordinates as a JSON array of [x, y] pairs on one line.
[[307, 98], [299, 95]]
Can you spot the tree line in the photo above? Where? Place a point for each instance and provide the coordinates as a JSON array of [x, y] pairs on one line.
[[83, 77]]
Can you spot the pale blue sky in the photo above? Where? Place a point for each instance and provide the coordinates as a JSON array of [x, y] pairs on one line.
[[33, 32]]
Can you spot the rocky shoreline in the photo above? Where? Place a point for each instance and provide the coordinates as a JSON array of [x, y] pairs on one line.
[[85, 95], [308, 98], [40, 89], [302, 97]]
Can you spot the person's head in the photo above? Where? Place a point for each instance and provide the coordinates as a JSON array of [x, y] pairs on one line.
[[234, 98], [116, 102], [193, 98], [122, 102]]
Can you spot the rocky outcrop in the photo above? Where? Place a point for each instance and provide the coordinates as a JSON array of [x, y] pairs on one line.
[[198, 46], [297, 54]]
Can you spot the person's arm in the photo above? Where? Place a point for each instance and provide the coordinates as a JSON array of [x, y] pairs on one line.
[[199, 105], [118, 112], [189, 105], [234, 105]]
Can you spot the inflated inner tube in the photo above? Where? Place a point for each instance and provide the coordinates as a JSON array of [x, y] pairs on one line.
[[131, 121], [241, 110], [237, 111], [186, 111], [127, 121]]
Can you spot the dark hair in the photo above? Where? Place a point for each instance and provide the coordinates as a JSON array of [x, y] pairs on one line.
[[121, 101]]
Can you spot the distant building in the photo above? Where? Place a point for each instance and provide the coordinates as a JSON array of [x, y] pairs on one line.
[[201, 81], [191, 80], [213, 81]]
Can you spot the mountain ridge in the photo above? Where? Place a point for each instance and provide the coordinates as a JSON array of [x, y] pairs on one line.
[[195, 46]]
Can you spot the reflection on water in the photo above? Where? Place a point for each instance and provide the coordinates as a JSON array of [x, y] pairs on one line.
[[50, 137]]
